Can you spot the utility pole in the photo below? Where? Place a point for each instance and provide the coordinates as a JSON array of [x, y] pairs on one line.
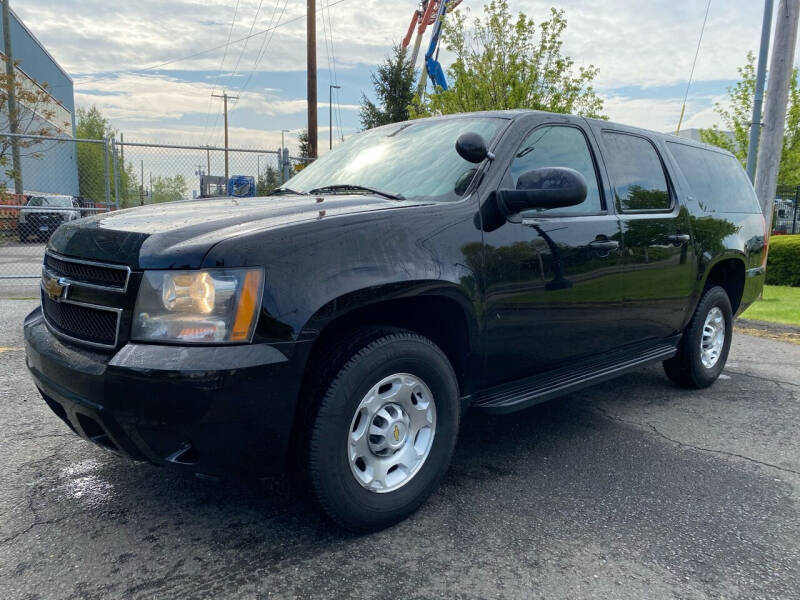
[[780, 73], [11, 93], [208, 161], [330, 112], [225, 97], [761, 75], [311, 77]]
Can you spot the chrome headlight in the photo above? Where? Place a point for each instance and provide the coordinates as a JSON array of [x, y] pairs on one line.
[[215, 306]]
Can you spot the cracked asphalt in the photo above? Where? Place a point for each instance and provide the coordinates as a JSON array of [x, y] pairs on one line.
[[630, 489]]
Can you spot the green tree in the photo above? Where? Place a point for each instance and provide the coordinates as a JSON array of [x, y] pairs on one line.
[[267, 181], [394, 83], [304, 147], [169, 189], [92, 125], [504, 62], [737, 112]]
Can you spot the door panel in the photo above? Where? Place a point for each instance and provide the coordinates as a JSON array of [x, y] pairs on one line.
[[553, 280], [660, 270], [551, 296]]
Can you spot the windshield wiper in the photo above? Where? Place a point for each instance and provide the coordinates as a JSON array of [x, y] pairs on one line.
[[281, 191], [355, 188]]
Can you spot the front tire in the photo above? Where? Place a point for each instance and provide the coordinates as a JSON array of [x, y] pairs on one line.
[[385, 430], [706, 341]]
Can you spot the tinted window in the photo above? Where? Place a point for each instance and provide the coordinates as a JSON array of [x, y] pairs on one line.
[[639, 180], [560, 147], [48, 201], [717, 181]]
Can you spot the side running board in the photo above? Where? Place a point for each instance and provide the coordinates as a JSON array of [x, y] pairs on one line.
[[521, 394]]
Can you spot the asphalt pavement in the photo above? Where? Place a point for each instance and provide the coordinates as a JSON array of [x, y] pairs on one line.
[[20, 268], [630, 489]]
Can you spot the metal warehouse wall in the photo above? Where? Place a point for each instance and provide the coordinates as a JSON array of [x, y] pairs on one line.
[[56, 169]]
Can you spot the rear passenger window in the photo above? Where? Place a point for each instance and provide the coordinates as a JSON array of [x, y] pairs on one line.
[[717, 181], [637, 173]]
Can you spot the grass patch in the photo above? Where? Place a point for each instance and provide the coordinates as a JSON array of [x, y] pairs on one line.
[[779, 304]]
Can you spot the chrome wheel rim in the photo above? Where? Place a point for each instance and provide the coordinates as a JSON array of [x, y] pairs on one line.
[[391, 433], [713, 338]]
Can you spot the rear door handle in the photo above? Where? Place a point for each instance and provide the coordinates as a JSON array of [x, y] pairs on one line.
[[679, 238], [604, 245]]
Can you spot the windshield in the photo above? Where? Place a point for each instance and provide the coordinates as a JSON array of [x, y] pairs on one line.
[[49, 201], [412, 159]]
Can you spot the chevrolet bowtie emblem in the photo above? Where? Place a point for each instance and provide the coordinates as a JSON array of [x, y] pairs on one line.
[[55, 288], [396, 433]]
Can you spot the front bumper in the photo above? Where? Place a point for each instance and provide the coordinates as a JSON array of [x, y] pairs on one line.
[[209, 410]]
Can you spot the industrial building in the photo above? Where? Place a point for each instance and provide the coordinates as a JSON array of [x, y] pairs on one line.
[[47, 167]]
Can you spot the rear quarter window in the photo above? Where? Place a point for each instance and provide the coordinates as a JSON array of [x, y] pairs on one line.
[[717, 181]]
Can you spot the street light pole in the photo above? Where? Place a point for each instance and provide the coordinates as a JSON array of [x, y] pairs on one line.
[[331, 87], [283, 143]]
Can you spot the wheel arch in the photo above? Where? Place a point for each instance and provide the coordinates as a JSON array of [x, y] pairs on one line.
[[440, 311], [728, 272]]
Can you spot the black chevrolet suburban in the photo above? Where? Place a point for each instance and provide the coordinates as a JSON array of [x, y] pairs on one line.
[[338, 328]]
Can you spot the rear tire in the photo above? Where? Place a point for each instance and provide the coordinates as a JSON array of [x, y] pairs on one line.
[[385, 429], [706, 341]]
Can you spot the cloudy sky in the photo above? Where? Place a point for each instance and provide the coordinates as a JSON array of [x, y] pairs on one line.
[[122, 57]]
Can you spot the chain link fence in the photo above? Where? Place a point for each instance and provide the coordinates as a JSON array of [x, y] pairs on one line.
[[786, 219], [62, 179]]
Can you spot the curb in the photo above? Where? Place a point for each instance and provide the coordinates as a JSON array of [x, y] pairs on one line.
[[767, 326]]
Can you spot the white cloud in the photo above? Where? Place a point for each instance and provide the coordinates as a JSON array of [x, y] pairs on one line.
[[154, 97], [632, 43], [663, 115]]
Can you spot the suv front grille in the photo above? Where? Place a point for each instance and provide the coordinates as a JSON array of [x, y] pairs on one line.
[[81, 322], [83, 300], [95, 274]]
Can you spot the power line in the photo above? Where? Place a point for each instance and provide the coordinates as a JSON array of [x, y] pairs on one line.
[[244, 47], [262, 50], [335, 74], [264, 45], [207, 50], [691, 74], [219, 72]]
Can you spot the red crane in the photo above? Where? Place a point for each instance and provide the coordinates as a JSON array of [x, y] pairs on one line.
[[425, 15]]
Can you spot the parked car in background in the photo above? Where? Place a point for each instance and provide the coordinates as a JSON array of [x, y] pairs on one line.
[[787, 217], [339, 328], [43, 213]]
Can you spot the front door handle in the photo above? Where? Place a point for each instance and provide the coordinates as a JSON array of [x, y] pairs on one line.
[[679, 238], [604, 245]]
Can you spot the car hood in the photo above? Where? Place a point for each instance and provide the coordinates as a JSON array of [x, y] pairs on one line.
[[177, 235]]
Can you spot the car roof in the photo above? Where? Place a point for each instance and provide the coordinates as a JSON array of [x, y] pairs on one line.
[[520, 113]]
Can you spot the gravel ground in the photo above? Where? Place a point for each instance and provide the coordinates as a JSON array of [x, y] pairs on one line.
[[630, 489]]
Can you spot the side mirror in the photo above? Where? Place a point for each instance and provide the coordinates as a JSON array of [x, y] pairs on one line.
[[472, 147], [549, 187]]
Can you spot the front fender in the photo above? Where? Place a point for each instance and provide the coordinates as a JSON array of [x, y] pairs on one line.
[[316, 271]]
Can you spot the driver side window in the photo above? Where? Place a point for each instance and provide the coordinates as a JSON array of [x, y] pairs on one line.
[[560, 146]]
